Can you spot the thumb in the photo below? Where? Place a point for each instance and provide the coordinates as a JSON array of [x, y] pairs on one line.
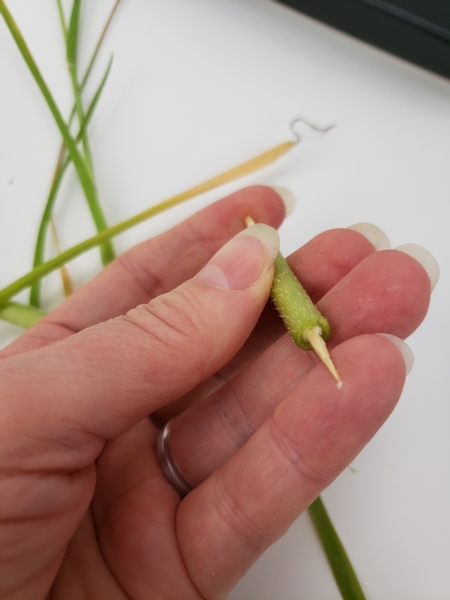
[[106, 378]]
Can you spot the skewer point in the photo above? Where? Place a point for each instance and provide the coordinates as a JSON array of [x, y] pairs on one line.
[[317, 342]]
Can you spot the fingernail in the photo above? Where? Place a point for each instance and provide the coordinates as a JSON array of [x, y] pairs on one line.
[[423, 257], [242, 261], [288, 198], [372, 233], [405, 350]]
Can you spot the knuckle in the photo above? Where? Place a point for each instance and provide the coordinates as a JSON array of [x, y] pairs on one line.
[[230, 411], [173, 321], [140, 273], [298, 454], [240, 523]]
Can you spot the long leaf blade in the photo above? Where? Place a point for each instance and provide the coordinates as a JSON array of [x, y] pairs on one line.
[[95, 99], [51, 265], [340, 564], [99, 43], [61, 165], [72, 33], [69, 141], [78, 161], [106, 250], [62, 18], [20, 314]]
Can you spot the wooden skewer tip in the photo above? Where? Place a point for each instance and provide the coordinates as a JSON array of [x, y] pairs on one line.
[[317, 342]]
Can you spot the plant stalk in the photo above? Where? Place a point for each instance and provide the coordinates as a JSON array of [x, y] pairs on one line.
[[254, 164], [106, 250], [78, 161], [340, 564], [20, 314], [61, 165]]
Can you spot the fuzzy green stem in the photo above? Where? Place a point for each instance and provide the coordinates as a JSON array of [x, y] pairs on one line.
[[20, 314], [307, 326], [341, 566], [295, 306]]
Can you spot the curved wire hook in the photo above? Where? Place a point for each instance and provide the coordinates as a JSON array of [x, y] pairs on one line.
[[298, 137]]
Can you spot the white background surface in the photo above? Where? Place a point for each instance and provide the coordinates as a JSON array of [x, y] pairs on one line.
[[195, 88]]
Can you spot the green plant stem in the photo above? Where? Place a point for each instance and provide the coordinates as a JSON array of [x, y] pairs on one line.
[[35, 292], [61, 166], [99, 43], [295, 306], [78, 161], [62, 19], [341, 566], [95, 54], [20, 314], [250, 166], [95, 99], [106, 250], [72, 61], [55, 263], [82, 121]]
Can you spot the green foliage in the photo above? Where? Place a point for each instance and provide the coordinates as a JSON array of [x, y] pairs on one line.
[[340, 564]]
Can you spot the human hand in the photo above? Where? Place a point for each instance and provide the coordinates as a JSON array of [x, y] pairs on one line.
[[259, 427]]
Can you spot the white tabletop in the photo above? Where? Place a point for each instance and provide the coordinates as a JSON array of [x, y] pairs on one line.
[[197, 87]]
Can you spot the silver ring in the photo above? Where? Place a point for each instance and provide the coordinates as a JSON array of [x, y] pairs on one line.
[[168, 465]]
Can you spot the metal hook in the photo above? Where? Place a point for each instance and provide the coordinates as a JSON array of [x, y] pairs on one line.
[[312, 125]]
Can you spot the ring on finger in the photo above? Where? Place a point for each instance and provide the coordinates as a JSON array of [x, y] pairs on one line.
[[168, 464]]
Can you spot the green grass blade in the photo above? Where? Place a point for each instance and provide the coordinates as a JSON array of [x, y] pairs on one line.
[[78, 161], [72, 33], [55, 263], [23, 48], [99, 43], [95, 99], [62, 164], [249, 166], [62, 18], [20, 314], [94, 55], [106, 250], [340, 564], [35, 292]]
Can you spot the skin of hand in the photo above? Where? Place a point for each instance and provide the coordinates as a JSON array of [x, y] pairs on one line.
[[85, 511]]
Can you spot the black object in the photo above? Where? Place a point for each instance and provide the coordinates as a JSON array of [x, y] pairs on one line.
[[417, 30]]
